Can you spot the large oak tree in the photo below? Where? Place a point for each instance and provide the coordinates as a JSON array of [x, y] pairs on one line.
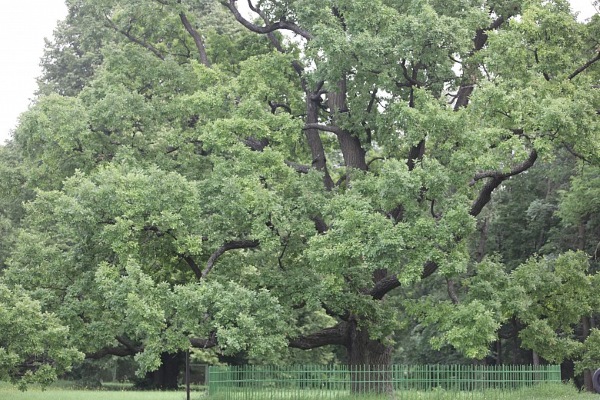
[[265, 179]]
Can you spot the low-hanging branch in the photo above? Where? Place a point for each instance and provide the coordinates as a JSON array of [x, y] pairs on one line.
[[126, 348], [129, 349], [337, 335]]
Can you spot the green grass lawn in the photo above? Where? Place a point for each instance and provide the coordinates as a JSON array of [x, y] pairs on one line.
[[62, 391]]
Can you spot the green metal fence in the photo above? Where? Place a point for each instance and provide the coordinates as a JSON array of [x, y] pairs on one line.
[[340, 381]]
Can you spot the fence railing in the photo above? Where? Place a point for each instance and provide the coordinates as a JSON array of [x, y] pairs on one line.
[[334, 381]]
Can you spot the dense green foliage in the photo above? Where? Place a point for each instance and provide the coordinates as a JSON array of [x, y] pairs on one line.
[[319, 176]]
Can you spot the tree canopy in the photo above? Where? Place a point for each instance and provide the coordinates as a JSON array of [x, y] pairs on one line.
[[287, 176]]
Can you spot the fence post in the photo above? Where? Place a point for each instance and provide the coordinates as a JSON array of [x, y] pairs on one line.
[[187, 374]]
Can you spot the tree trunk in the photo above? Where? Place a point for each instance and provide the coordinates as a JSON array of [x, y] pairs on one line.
[[499, 359], [535, 359], [313, 137], [369, 361], [166, 376]]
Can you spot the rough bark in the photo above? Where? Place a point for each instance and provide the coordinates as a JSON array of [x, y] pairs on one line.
[[369, 359], [352, 151]]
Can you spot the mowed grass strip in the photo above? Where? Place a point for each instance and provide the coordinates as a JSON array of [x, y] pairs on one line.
[[542, 392], [550, 391]]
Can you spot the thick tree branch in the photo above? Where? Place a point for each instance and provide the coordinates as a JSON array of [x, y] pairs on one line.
[[325, 128], [118, 351], [271, 36], [585, 66], [320, 224], [481, 36], [391, 282], [274, 106], [201, 343], [197, 39], [235, 244], [127, 348], [574, 153], [277, 43], [495, 179], [192, 264], [303, 169], [350, 145], [256, 144], [283, 24], [337, 335]]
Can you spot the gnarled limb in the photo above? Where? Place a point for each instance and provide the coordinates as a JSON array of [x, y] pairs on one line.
[[280, 25], [256, 144], [352, 150], [495, 179], [390, 282], [337, 335]]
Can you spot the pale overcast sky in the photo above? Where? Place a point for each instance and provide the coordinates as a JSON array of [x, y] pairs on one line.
[[23, 26]]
